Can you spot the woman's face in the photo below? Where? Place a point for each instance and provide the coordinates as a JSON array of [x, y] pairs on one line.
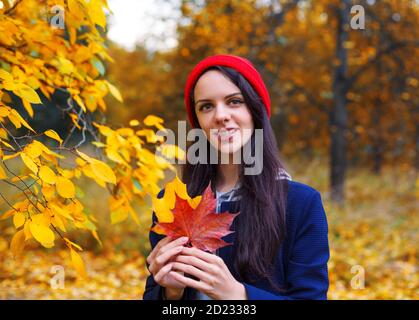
[[222, 112]]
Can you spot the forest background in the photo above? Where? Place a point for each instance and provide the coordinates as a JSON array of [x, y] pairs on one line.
[[79, 113]]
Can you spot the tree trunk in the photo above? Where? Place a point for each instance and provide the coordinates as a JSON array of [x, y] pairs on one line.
[[378, 141], [417, 149], [338, 116]]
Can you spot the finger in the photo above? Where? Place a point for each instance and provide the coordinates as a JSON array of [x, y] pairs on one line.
[[199, 285], [187, 268], [208, 257], [164, 257], [175, 243], [205, 266], [162, 272], [156, 248]]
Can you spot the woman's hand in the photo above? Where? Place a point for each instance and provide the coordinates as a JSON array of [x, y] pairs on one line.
[[160, 265], [216, 281]]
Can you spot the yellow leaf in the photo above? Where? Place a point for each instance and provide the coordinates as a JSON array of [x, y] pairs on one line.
[[114, 91], [74, 119], [151, 120], [71, 243], [5, 75], [158, 229], [58, 222], [134, 123], [119, 215], [65, 187], [103, 171], [42, 234], [194, 202], [99, 144], [18, 219], [96, 13], [4, 111], [75, 8], [27, 231], [65, 66], [11, 156], [7, 144], [27, 105], [162, 207], [27, 93], [62, 211], [80, 102], [29, 162], [78, 263], [7, 214], [178, 187], [96, 236], [73, 35], [43, 219], [172, 151], [47, 175], [113, 155], [48, 191], [54, 135], [16, 116], [125, 132], [18, 243], [84, 156], [106, 131], [14, 120], [87, 171], [33, 150], [3, 174], [162, 210]]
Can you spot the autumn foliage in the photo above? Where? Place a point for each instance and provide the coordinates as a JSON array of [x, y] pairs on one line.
[[193, 218], [38, 60], [79, 115]]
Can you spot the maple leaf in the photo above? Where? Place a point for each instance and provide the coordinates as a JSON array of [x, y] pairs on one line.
[[202, 225]]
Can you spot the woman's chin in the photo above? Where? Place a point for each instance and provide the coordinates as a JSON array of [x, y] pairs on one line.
[[229, 150]]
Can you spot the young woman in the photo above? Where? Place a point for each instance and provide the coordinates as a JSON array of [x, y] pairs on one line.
[[280, 245]]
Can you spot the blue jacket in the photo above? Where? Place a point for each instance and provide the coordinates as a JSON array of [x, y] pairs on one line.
[[301, 263]]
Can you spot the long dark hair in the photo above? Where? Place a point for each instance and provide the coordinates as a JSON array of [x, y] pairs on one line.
[[260, 228]]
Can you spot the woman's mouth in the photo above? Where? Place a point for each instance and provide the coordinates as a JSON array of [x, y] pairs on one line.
[[226, 134]]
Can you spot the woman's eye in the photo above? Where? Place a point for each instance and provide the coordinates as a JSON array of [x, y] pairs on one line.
[[205, 107], [236, 101]]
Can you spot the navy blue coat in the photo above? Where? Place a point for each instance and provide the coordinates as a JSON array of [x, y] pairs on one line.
[[301, 263]]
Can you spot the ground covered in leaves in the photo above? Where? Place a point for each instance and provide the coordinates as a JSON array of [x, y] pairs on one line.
[[373, 241]]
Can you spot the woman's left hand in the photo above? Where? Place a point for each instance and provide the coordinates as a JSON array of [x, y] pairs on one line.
[[216, 281]]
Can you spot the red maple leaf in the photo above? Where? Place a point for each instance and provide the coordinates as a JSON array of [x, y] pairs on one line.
[[203, 226]]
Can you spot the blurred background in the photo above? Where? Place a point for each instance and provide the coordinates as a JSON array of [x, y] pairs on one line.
[[343, 77]]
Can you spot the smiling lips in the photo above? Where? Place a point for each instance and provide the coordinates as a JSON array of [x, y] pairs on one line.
[[226, 134]]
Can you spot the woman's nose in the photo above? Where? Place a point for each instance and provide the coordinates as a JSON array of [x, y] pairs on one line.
[[221, 113]]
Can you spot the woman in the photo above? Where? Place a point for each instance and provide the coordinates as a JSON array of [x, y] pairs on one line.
[[280, 244]]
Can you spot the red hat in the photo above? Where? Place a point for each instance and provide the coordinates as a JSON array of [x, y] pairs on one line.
[[240, 64]]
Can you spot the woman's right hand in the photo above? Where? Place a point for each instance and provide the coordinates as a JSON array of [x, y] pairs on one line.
[[159, 262]]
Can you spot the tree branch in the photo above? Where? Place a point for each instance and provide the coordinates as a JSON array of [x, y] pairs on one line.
[[11, 9], [377, 57]]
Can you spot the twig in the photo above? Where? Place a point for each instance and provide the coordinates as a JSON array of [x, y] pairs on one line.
[[11, 9], [10, 205], [8, 132]]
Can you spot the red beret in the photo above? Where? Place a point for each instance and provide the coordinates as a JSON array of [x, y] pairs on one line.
[[240, 64]]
